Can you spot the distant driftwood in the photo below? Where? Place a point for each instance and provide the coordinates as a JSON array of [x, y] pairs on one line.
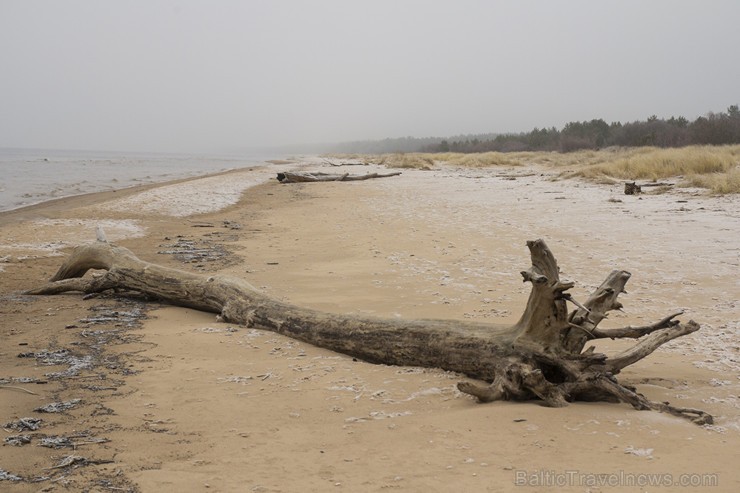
[[347, 163], [290, 177]]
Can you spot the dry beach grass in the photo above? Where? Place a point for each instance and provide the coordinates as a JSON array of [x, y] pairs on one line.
[[187, 403], [715, 168]]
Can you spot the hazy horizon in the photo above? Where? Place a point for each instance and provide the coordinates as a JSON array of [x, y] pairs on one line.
[[196, 77]]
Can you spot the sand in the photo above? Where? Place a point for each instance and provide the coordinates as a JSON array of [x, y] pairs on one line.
[[186, 403]]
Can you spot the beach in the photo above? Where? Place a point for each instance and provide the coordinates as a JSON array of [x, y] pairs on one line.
[[162, 398]]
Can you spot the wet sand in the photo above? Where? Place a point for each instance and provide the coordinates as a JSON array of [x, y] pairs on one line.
[[186, 403]]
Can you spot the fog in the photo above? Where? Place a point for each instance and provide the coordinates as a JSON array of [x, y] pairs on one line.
[[209, 76]]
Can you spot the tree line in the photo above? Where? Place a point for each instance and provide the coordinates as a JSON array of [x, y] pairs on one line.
[[711, 129]]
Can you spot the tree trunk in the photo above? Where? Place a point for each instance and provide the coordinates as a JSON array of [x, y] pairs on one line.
[[539, 357]]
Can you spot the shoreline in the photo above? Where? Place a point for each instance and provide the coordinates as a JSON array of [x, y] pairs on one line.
[[224, 408], [31, 178], [27, 212]]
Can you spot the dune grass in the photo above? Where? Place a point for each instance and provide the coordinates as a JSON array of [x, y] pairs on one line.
[[654, 164], [421, 160], [716, 168], [717, 183]]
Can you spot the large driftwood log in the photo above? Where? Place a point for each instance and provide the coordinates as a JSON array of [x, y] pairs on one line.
[[294, 177], [540, 357]]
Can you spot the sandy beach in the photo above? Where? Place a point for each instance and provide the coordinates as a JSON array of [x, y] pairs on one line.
[[157, 398]]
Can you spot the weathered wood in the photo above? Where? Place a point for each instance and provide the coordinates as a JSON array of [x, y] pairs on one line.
[[346, 163], [633, 188], [294, 177], [540, 357]]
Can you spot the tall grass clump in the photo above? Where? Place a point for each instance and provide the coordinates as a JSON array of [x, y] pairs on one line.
[[717, 183], [696, 164]]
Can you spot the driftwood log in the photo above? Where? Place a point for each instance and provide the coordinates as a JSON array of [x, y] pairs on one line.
[[541, 357], [633, 188], [332, 163], [293, 177]]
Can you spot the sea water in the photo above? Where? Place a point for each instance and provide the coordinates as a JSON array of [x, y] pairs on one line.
[[31, 176]]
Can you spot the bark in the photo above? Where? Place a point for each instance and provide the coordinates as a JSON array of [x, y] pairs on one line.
[[540, 357], [292, 177]]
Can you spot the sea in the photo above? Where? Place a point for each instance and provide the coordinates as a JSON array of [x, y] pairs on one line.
[[32, 176]]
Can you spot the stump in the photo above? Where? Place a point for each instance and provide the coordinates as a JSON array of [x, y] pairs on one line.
[[632, 188]]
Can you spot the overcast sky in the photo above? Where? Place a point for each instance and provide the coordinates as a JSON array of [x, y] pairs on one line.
[[149, 75]]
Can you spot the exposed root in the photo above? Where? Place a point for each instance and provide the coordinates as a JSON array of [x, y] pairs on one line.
[[522, 382], [649, 344], [636, 332]]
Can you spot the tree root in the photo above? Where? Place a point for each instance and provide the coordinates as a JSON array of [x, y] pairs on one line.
[[523, 382]]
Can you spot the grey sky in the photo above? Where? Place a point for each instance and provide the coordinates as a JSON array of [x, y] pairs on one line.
[[210, 75]]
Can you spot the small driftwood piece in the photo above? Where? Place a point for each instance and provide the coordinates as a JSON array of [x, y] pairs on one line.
[[541, 357], [21, 389], [291, 177]]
